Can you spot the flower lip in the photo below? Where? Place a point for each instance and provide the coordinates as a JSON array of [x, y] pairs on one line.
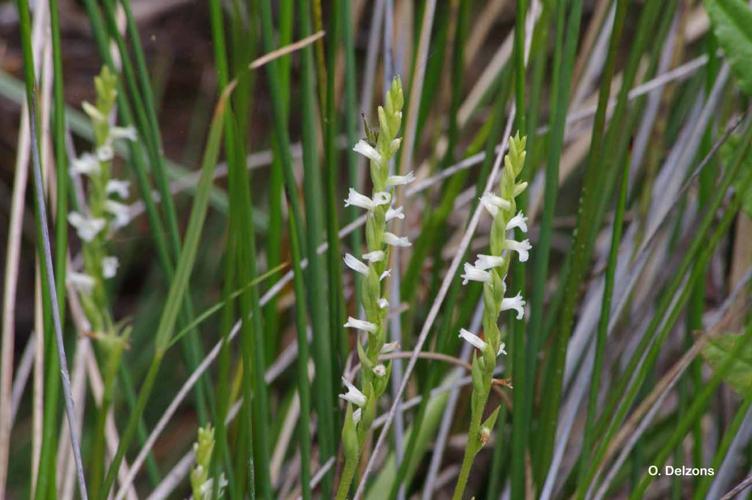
[[374, 256], [518, 221], [516, 303], [356, 199], [521, 247], [353, 395], [473, 273], [86, 227], [86, 164], [359, 324], [394, 213]]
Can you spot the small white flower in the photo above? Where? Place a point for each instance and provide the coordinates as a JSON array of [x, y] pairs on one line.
[[128, 133], [81, 282], [385, 274], [519, 188], [110, 266], [484, 262], [473, 273], [521, 247], [360, 324], [394, 213], [502, 349], [383, 303], [119, 211], [355, 264], [105, 152], [356, 199], [395, 241], [121, 188], [367, 150], [93, 112], [389, 347], [517, 303], [493, 203], [379, 370], [86, 164], [353, 395], [400, 180], [357, 415], [519, 221], [375, 256], [87, 228], [473, 339]]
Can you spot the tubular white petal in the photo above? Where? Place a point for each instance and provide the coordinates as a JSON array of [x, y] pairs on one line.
[[121, 188], [517, 303], [86, 164], [355, 264], [120, 211], [484, 262], [383, 303], [521, 247], [81, 282], [375, 256], [400, 180], [395, 241], [473, 339], [353, 395], [492, 203], [356, 199], [394, 213], [359, 324], [518, 221], [385, 274], [110, 266], [472, 273], [128, 133], [87, 228], [379, 370], [367, 150], [389, 347], [105, 152]]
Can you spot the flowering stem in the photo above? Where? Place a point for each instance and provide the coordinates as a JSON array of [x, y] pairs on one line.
[[348, 473]]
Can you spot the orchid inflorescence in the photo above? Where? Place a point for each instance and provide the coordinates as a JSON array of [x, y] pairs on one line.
[[491, 270], [379, 147], [103, 211]]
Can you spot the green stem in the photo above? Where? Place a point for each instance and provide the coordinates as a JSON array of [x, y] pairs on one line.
[[348, 473], [469, 458]]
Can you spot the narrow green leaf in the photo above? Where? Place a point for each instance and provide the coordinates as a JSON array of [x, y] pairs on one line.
[[739, 375]]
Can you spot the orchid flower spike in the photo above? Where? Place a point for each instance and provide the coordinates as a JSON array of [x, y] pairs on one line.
[[353, 395]]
